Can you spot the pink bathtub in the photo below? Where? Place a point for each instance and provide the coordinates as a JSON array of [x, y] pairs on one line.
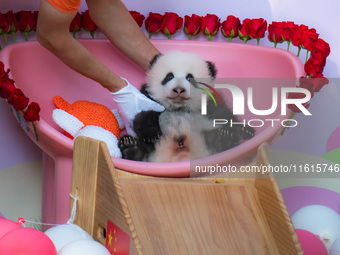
[[42, 76]]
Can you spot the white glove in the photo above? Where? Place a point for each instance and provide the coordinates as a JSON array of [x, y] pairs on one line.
[[131, 101]]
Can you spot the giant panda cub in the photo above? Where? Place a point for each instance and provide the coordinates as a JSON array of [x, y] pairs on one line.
[[181, 132]]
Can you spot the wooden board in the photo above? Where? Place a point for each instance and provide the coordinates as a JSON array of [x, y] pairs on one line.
[[181, 216]]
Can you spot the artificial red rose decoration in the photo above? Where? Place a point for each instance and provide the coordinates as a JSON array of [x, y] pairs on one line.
[[3, 73], [297, 33], [192, 25], [32, 112], [321, 50], [4, 27], [230, 27], [76, 24], [314, 67], [287, 27], [275, 31], [6, 87], [306, 83], [18, 100], [210, 25], [313, 84], [139, 18], [258, 29], [13, 23], [27, 21], [171, 22], [318, 82], [309, 39], [153, 23], [244, 31], [297, 95], [88, 23]]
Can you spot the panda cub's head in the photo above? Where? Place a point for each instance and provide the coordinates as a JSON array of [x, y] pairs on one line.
[[172, 80]]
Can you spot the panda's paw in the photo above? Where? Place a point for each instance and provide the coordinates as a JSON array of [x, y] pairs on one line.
[[151, 137], [247, 132], [132, 148], [127, 141]]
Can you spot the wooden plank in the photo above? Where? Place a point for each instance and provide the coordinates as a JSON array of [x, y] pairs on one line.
[[275, 209], [183, 216]]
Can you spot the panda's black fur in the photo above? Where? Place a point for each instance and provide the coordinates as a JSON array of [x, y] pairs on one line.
[[171, 81]]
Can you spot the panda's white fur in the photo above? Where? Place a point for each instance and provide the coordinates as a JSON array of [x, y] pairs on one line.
[[181, 132], [180, 64], [181, 120], [182, 137]]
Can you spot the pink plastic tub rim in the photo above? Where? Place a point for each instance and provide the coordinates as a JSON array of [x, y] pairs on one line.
[[225, 55]]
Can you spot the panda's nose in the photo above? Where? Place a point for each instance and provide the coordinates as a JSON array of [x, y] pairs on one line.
[[179, 90]]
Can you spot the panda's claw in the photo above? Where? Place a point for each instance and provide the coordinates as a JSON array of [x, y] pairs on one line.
[[127, 141]]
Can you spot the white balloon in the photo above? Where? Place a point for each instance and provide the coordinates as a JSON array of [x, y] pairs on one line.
[[335, 250], [321, 221], [64, 234], [84, 247]]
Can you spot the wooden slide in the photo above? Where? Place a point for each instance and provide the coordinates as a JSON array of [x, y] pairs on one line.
[[227, 215]]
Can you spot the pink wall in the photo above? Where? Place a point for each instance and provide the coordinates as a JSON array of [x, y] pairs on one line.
[[16, 148]]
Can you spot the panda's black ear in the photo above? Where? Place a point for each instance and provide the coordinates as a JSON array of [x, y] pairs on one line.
[[212, 69], [153, 61]]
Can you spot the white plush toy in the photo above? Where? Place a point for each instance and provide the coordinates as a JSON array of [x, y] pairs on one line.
[[85, 118]]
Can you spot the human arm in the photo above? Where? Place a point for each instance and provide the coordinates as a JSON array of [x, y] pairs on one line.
[[115, 21], [53, 33]]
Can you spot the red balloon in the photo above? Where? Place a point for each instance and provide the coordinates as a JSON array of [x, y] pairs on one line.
[[26, 241], [310, 243], [7, 225]]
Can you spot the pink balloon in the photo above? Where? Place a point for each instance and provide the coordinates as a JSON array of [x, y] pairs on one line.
[[311, 243], [7, 226], [26, 241]]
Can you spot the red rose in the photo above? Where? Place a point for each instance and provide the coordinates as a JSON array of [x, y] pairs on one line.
[[244, 31], [230, 27], [171, 22], [12, 22], [296, 35], [258, 28], [297, 95], [210, 25], [32, 112], [27, 21], [153, 23], [321, 49], [88, 23], [3, 73], [76, 24], [275, 31], [314, 67], [286, 30], [192, 25], [18, 100], [309, 39], [6, 87], [139, 18], [307, 83], [319, 81], [4, 26]]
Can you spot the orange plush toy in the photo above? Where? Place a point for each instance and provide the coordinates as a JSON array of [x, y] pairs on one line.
[[85, 118]]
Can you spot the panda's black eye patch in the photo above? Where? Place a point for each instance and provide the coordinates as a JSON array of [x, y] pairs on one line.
[[189, 77], [168, 78]]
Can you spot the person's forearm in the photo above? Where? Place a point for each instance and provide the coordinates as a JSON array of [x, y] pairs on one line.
[[78, 58], [120, 28], [53, 33]]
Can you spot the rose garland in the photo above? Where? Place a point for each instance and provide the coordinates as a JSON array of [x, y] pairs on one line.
[[17, 99], [317, 50]]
